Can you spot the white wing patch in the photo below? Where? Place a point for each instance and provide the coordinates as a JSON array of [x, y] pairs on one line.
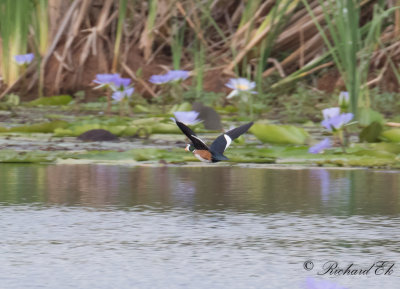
[[228, 141]]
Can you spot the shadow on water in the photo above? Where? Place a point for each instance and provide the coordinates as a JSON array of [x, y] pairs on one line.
[[304, 191]]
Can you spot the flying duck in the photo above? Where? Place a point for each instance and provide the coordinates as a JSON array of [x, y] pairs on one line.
[[215, 152]]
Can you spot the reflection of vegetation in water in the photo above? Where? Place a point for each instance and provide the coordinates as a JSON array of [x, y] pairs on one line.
[[304, 191]]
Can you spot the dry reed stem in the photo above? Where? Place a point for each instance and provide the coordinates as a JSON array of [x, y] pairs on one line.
[[253, 42], [141, 81]]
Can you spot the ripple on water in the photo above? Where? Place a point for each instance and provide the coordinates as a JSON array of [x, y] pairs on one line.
[[171, 227]]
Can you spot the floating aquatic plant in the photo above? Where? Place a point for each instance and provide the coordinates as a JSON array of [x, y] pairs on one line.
[[171, 85], [121, 91], [119, 86], [240, 85], [321, 146], [24, 59], [244, 88], [170, 76], [105, 79], [187, 117], [334, 120]]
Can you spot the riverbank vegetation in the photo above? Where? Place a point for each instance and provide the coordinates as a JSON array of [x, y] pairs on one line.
[[125, 66]]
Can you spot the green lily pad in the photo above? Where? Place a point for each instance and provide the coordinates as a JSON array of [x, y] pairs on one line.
[[393, 148], [10, 156], [391, 135], [52, 100], [371, 133], [181, 107], [168, 128], [375, 153], [129, 131], [279, 134]]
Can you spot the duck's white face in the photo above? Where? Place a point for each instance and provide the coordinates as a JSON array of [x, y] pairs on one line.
[[189, 148]]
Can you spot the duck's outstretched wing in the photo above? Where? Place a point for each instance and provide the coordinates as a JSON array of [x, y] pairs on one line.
[[222, 142], [198, 143]]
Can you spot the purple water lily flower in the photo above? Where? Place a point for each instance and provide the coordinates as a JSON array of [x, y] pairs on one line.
[[24, 59], [240, 84], [120, 83], [312, 283], [124, 92], [331, 112], [170, 76], [187, 117], [337, 122], [319, 147], [105, 79]]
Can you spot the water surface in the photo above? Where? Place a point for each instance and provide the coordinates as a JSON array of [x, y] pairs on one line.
[[96, 226]]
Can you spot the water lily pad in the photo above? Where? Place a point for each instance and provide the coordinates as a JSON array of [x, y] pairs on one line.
[[181, 107], [129, 131], [165, 128], [52, 100], [375, 153], [393, 148], [10, 156], [391, 135], [371, 133], [279, 134]]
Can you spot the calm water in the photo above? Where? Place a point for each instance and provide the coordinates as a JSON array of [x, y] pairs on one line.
[[93, 226]]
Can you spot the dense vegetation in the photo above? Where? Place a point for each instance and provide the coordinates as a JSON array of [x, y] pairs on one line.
[[279, 60]]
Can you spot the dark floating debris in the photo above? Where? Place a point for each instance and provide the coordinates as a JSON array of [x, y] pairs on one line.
[[208, 115], [97, 135]]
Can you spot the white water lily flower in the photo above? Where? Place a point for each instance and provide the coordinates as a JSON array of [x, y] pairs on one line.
[[240, 84], [187, 117]]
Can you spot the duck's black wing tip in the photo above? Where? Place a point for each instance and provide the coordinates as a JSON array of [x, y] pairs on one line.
[[236, 132], [222, 142]]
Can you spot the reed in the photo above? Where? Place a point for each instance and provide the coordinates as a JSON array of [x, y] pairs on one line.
[[253, 39], [15, 17], [118, 38], [350, 45]]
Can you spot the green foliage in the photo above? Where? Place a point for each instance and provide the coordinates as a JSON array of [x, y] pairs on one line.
[[349, 44], [279, 134], [185, 106], [15, 17], [391, 135], [118, 38], [386, 102], [371, 133], [368, 116], [52, 100], [12, 100], [209, 98], [46, 127], [11, 156]]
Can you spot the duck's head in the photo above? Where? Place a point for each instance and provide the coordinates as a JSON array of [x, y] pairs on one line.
[[189, 148]]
